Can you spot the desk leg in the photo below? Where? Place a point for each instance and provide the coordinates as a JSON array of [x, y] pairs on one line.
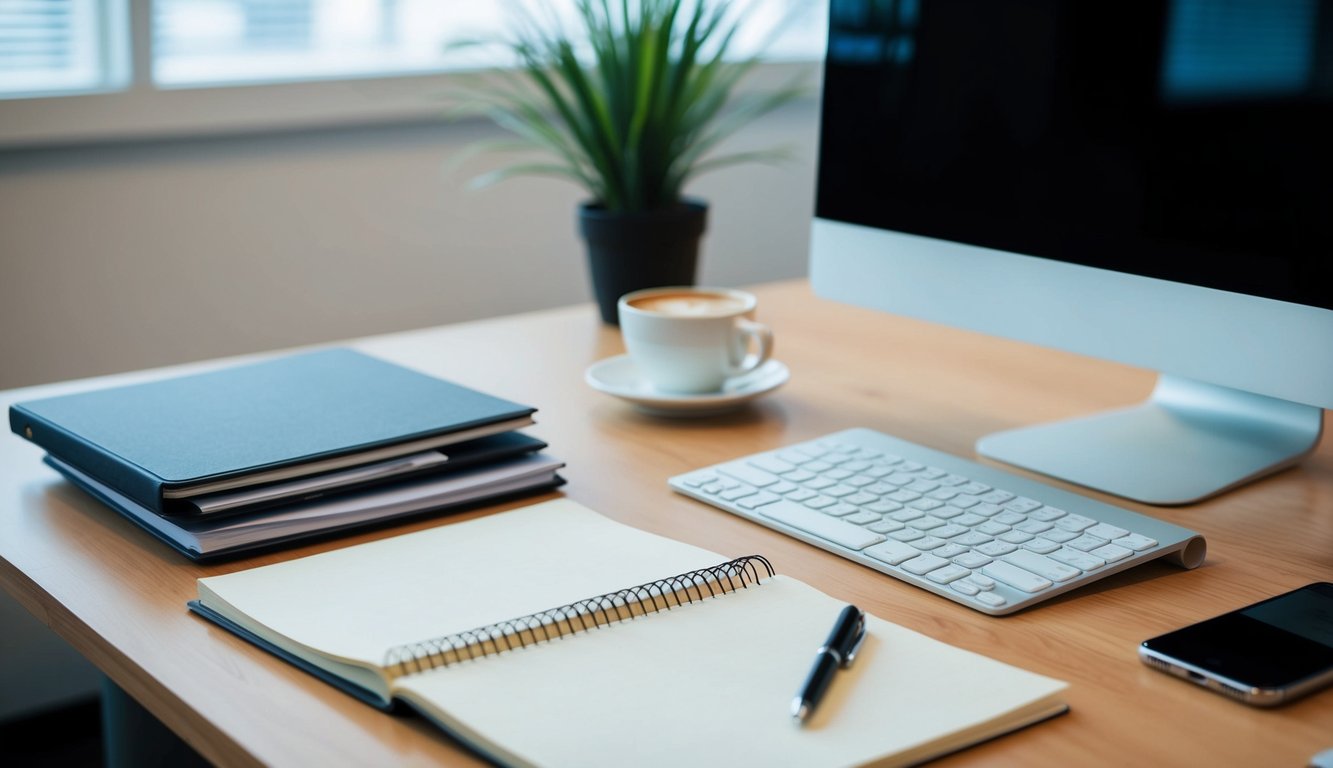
[[132, 737]]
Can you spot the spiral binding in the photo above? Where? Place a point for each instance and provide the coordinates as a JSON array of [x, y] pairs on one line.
[[592, 613]]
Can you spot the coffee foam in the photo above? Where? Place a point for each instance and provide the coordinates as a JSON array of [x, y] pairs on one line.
[[689, 304]]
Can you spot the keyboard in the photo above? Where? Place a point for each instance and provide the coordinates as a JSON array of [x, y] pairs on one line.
[[980, 536]]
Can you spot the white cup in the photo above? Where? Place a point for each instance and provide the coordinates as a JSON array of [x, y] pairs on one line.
[[691, 340]]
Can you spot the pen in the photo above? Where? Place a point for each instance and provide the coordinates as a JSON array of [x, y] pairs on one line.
[[837, 651]]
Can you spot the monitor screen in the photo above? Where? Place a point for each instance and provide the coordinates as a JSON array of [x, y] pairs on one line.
[[1147, 182]]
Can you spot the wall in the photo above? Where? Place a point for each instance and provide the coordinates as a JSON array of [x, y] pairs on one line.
[[124, 257], [128, 256]]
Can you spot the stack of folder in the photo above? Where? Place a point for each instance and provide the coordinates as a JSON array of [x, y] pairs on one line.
[[259, 455]]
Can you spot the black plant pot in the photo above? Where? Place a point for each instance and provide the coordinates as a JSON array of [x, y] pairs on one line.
[[631, 251]]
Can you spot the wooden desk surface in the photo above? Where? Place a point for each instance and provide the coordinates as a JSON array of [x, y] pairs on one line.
[[119, 596]]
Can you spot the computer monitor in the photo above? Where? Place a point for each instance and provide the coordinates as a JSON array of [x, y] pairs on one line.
[[1145, 182]]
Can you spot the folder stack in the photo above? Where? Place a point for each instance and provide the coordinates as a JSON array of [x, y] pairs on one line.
[[258, 455]]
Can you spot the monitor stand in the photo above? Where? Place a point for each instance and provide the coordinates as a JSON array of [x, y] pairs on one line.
[[1188, 441]]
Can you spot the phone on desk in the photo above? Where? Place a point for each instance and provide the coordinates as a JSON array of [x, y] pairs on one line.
[[1265, 654]]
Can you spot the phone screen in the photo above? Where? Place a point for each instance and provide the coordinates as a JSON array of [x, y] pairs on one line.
[[1276, 644]]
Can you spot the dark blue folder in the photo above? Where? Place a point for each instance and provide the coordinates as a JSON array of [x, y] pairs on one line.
[[296, 414]]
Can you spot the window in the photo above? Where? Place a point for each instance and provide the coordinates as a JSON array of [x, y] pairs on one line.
[[211, 42], [96, 70], [50, 47]]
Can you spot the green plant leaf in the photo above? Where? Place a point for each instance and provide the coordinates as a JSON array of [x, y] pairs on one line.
[[629, 101]]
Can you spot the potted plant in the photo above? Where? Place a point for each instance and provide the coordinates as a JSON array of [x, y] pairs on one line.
[[630, 100]]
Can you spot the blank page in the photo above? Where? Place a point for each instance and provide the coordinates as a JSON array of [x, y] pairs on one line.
[[711, 683], [357, 603]]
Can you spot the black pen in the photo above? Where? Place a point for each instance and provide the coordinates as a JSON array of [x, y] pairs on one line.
[[837, 651]]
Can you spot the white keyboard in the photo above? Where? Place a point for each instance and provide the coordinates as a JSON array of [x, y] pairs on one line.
[[975, 534]]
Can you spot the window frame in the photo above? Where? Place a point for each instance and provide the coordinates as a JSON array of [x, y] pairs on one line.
[[141, 110]]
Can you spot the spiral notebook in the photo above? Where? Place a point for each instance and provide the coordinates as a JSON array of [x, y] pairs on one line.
[[551, 635]]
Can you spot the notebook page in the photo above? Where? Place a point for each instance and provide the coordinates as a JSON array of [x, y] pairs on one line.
[[356, 603], [711, 684]]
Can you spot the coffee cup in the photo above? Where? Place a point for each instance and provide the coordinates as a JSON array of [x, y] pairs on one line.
[[691, 340]]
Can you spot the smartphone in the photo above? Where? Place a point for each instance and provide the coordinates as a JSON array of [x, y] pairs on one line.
[[1265, 654]]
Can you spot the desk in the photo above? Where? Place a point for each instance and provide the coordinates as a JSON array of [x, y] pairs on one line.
[[119, 597]]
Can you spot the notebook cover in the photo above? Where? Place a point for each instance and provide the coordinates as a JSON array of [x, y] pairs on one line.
[[305, 537], [334, 680], [178, 432]]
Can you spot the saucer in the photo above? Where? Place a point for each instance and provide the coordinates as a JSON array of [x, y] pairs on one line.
[[619, 376]]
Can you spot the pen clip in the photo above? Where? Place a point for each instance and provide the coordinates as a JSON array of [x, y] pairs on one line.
[[850, 654]]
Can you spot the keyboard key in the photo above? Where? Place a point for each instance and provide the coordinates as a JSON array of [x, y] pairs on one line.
[[973, 488], [838, 474], [886, 526], [1081, 560], [1060, 535], [1104, 531], [948, 573], [1022, 505], [985, 508], [971, 559], [771, 464], [1015, 537], [892, 552], [738, 492], [861, 498], [973, 539], [758, 500], [964, 587], [1041, 546], [800, 475], [840, 509], [906, 534], [838, 491], [925, 505], [907, 515], [1046, 514], [991, 599], [781, 487], [1136, 542], [1085, 543], [967, 519], [793, 457], [1042, 566], [995, 548], [801, 494], [926, 523], [964, 502], [1033, 526], [949, 550], [1075, 523], [748, 474], [823, 526], [982, 581], [819, 502], [1111, 553], [923, 563], [948, 531], [1015, 577], [1009, 518], [817, 466], [699, 480], [884, 506], [903, 496], [996, 496], [864, 518], [927, 542], [991, 529], [859, 481], [819, 483]]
